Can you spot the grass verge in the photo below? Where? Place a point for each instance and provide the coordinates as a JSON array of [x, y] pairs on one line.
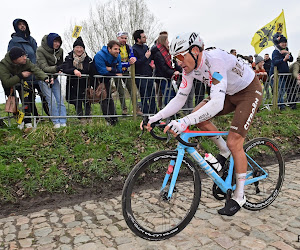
[[79, 156]]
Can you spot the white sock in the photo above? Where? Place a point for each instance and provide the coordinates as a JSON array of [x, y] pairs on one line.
[[221, 143], [238, 194]]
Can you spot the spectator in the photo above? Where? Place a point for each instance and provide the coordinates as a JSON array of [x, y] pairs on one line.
[[164, 67], [158, 91], [259, 68], [108, 63], [143, 68], [127, 59], [267, 64], [280, 57], [294, 85], [251, 63], [14, 68], [77, 62], [233, 52], [21, 38], [261, 73], [50, 58]]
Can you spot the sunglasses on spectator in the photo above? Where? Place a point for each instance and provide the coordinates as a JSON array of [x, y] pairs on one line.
[[180, 57]]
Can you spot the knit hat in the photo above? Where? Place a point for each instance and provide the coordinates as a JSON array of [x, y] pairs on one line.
[[79, 42], [258, 59], [16, 52], [282, 39]]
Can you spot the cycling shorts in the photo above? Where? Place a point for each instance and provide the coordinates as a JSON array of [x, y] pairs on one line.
[[245, 103]]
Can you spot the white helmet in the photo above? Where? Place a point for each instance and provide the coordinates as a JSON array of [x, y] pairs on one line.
[[184, 41]]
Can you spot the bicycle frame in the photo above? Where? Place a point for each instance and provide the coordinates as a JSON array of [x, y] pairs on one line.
[[224, 185]]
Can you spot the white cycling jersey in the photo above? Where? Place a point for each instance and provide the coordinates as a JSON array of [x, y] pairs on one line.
[[221, 71]]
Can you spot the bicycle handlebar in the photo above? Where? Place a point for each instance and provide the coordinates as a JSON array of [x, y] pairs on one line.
[[163, 125]]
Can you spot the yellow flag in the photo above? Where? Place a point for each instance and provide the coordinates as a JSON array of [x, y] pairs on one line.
[[76, 31], [263, 38]]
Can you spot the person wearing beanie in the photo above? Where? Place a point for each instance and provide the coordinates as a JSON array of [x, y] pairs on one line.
[[261, 72], [280, 58], [76, 63], [16, 67], [50, 59], [78, 42]]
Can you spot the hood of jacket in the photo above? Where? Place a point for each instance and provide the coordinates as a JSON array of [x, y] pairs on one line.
[[107, 56], [45, 43], [50, 38], [24, 34]]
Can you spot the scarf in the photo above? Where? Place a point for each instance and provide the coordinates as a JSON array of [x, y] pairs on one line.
[[77, 62], [165, 54]]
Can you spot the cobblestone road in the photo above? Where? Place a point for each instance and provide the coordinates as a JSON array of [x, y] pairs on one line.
[[100, 225]]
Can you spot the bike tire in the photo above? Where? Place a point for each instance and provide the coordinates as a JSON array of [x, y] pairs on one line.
[[146, 211], [267, 155]]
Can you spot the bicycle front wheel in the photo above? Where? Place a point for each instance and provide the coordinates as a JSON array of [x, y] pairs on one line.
[[146, 209], [263, 157]]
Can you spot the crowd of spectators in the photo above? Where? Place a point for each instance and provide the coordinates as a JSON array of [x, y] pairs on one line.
[[36, 68]]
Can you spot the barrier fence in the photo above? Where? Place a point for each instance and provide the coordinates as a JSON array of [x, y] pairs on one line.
[[74, 97]]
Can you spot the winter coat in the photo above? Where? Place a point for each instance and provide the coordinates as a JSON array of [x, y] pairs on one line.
[[277, 60], [75, 88], [11, 73], [142, 66], [47, 58], [104, 59], [23, 40], [267, 65], [295, 68], [161, 67]]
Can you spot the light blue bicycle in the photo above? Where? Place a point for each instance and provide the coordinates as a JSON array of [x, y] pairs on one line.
[[162, 192]]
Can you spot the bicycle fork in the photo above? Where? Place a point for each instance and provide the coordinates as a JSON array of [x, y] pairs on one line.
[[173, 169]]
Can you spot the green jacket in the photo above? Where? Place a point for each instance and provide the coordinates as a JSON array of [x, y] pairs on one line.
[[11, 73], [48, 58], [295, 68]]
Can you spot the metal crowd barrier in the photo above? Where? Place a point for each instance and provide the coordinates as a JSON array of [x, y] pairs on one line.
[[153, 93], [287, 93]]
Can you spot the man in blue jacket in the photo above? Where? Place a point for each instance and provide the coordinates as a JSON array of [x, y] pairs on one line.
[[108, 63], [280, 57]]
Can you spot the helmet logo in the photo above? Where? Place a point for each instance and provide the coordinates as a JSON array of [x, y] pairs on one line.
[[192, 38]]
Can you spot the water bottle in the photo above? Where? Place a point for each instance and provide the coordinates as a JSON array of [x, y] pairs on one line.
[[212, 161]]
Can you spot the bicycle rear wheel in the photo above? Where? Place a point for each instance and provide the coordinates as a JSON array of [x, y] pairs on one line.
[[262, 153], [146, 209]]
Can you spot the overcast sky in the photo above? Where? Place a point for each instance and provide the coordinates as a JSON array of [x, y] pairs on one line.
[[223, 24]]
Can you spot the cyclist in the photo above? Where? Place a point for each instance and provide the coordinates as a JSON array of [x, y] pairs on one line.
[[234, 87]]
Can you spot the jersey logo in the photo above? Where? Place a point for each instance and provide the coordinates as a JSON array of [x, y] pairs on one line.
[[183, 83]]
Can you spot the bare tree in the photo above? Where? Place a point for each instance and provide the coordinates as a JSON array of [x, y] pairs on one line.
[[108, 18]]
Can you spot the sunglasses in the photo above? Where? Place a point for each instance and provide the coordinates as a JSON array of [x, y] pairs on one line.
[[180, 57]]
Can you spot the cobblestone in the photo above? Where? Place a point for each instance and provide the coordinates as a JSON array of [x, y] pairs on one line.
[[99, 224]]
